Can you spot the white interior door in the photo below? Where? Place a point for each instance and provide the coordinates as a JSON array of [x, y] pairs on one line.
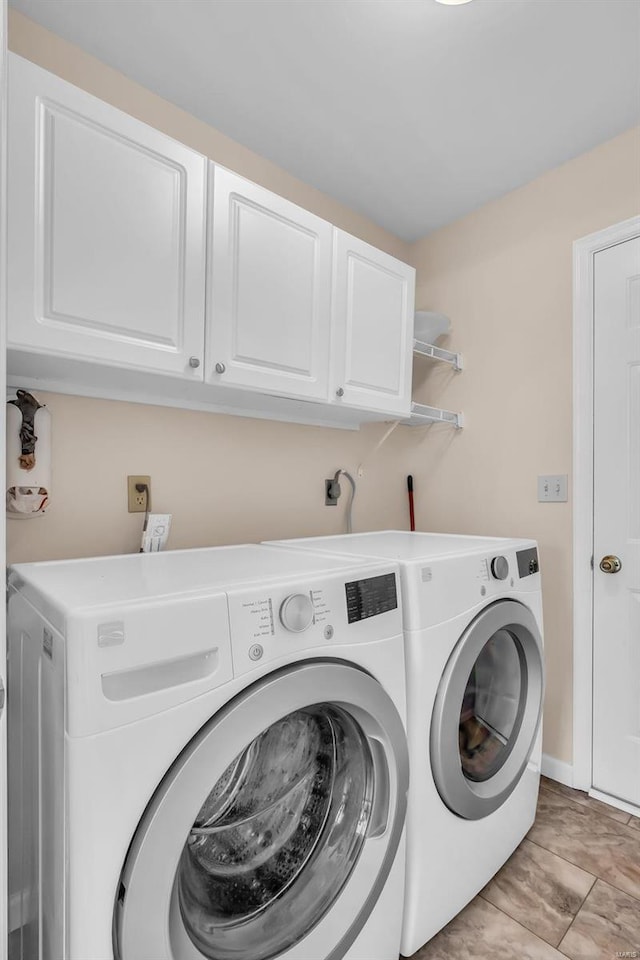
[[616, 651], [3, 382]]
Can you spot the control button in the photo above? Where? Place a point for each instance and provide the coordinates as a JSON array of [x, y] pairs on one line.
[[500, 568], [328, 632], [296, 612], [256, 651]]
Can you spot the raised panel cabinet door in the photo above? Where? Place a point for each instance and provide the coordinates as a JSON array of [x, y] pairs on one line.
[[107, 224], [372, 350], [269, 304]]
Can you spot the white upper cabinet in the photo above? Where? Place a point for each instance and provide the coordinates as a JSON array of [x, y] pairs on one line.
[[138, 269], [269, 291], [107, 232], [373, 328]]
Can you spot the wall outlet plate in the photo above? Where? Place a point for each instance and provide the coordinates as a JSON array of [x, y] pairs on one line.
[[138, 499], [329, 501]]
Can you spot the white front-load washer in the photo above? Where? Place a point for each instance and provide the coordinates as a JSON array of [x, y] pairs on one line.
[[473, 648], [208, 757]]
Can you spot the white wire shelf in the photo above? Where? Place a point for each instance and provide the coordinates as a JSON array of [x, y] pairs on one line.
[[422, 415], [437, 353]]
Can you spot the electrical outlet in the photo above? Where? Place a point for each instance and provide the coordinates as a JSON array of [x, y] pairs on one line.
[[139, 500], [330, 498]]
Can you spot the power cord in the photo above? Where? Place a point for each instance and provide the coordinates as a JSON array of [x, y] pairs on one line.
[[143, 488], [335, 491]]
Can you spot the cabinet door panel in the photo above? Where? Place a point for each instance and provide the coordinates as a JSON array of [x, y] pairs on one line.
[[270, 291], [373, 318], [107, 218]]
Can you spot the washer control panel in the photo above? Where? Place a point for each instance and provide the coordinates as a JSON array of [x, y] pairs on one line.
[[275, 620], [371, 597]]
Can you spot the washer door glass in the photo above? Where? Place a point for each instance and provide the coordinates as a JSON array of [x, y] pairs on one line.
[[274, 831], [491, 707], [288, 818]]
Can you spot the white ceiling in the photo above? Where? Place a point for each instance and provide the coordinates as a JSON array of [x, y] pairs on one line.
[[410, 112]]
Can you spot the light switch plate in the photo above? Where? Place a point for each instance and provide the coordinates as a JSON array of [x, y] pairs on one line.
[[553, 488]]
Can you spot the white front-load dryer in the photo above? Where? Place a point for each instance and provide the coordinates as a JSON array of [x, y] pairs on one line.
[[208, 757], [473, 647]]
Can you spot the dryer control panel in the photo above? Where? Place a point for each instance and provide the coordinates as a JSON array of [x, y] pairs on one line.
[[437, 590], [528, 562]]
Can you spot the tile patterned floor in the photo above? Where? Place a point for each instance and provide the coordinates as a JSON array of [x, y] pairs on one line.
[[571, 889]]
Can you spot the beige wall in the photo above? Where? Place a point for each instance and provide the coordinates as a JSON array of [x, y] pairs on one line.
[[224, 479], [504, 276]]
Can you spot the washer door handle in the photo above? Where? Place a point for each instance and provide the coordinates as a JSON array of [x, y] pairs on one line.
[[381, 790]]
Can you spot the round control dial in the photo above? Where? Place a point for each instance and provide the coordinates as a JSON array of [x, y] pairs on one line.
[[296, 612], [500, 568]]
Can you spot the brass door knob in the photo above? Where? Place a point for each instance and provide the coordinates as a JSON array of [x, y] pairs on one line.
[[611, 564]]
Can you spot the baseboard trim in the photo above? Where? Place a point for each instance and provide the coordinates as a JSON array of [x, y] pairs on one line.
[[615, 802], [557, 770]]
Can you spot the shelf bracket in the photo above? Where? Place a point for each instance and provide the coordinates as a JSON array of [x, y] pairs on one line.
[[422, 415], [438, 353]]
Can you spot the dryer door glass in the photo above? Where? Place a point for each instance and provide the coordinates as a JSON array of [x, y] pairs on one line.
[[284, 823], [491, 706], [487, 710]]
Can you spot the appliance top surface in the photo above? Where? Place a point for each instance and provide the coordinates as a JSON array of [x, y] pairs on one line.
[[401, 545], [96, 581]]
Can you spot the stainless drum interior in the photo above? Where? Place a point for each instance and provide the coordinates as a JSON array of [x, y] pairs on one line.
[[292, 808], [272, 834]]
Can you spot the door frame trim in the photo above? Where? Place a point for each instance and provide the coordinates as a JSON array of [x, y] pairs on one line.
[[4, 884], [584, 251]]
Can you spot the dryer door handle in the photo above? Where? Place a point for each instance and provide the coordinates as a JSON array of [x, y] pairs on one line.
[[381, 789]]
